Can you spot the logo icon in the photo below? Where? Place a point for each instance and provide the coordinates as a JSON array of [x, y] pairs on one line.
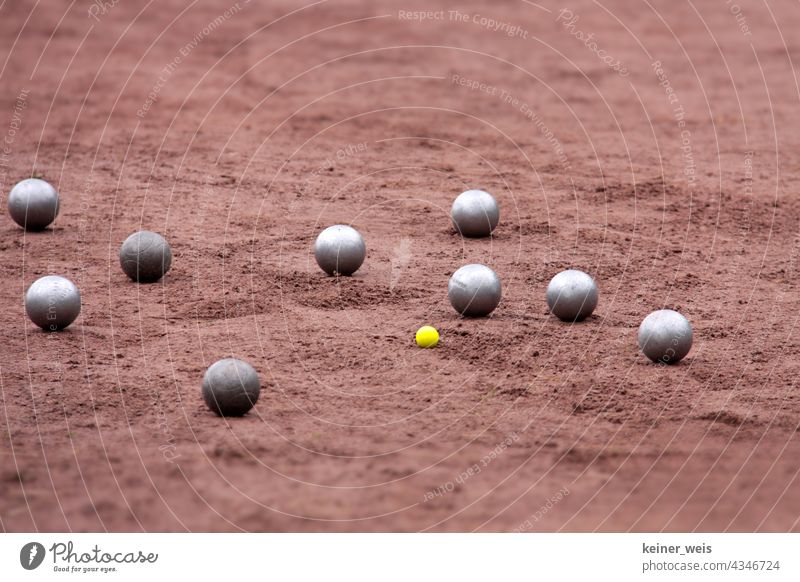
[[31, 555]]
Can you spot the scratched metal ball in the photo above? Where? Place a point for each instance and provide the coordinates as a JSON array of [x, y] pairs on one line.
[[145, 256], [474, 290], [33, 204], [665, 336], [572, 295], [340, 249], [231, 387], [475, 213], [53, 302]]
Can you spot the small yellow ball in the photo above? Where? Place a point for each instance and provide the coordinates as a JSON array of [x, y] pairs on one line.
[[427, 336]]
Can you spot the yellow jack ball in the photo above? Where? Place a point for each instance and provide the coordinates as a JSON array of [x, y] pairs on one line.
[[427, 336]]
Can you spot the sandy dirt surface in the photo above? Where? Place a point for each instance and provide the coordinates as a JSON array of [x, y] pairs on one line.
[[653, 144]]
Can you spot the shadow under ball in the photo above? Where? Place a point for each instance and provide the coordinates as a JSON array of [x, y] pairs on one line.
[[474, 290], [340, 249], [665, 336], [475, 213], [145, 256], [33, 204], [572, 295], [53, 302], [231, 387]]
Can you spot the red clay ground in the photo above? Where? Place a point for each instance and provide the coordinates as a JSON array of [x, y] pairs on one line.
[[274, 120]]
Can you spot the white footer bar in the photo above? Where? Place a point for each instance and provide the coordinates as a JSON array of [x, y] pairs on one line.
[[400, 557]]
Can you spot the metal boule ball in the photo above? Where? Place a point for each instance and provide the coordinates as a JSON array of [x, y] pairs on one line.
[[665, 336], [53, 302], [474, 290], [572, 295], [340, 250], [145, 256], [475, 213], [33, 204], [231, 387]]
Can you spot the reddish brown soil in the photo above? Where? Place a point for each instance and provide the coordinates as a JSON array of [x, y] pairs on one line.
[[279, 123]]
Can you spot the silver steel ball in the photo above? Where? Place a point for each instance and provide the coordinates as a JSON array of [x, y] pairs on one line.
[[475, 213], [340, 249], [33, 204], [665, 336], [474, 290], [572, 295], [231, 387], [53, 302], [145, 256]]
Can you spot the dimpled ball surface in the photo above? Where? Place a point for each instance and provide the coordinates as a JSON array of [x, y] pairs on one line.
[[572, 295], [145, 256], [340, 249], [475, 213], [665, 336], [33, 204], [231, 387], [53, 302], [427, 336], [474, 290]]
